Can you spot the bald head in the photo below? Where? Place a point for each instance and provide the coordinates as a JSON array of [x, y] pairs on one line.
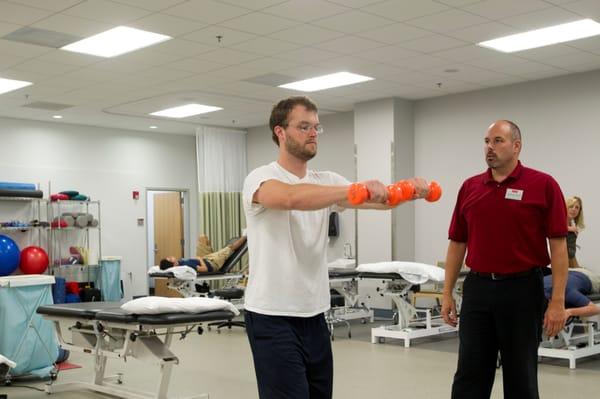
[[508, 126]]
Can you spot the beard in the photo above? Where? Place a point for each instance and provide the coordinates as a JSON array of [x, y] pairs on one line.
[[299, 150]]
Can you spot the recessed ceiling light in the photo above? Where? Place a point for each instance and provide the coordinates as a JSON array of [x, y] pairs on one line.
[[545, 36], [116, 41], [153, 127], [7, 85], [57, 116], [327, 81], [183, 111]]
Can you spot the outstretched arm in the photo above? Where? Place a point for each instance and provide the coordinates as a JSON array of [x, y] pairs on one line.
[[591, 309]]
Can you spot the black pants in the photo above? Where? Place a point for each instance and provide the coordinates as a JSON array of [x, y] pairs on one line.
[[504, 316], [292, 356]]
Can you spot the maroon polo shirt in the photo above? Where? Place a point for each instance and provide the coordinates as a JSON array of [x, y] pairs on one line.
[[505, 225]]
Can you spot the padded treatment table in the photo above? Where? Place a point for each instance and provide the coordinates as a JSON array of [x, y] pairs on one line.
[[104, 330], [579, 339], [345, 282], [411, 322]]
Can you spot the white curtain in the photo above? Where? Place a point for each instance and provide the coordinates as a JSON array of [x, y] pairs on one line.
[[221, 156]]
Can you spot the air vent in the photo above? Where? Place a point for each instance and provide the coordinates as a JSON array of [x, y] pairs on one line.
[[271, 79], [47, 106], [41, 37]]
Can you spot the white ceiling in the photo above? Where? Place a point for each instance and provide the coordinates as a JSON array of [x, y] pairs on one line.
[[408, 46]]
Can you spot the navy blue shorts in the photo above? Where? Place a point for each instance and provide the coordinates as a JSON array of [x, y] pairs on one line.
[[292, 356]]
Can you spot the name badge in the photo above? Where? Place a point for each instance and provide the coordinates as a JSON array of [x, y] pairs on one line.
[[514, 194]]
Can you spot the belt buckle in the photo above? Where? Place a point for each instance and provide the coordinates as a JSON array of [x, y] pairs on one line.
[[495, 276]]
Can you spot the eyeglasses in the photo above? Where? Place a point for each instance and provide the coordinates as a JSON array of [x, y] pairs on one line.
[[306, 128]]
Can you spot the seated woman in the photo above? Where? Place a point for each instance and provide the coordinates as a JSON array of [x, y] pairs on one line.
[[580, 282], [208, 263]]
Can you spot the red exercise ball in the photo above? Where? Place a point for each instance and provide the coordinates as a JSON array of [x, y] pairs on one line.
[[34, 260]]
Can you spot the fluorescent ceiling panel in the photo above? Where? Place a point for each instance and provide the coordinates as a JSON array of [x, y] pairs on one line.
[[7, 85], [183, 111], [545, 36], [327, 81], [116, 41]]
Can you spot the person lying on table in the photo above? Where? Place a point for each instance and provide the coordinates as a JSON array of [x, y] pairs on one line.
[[208, 263]]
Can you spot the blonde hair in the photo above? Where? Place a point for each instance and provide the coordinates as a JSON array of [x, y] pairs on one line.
[[571, 201]]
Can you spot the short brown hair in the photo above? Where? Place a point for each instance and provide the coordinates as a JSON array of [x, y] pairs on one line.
[[282, 110]]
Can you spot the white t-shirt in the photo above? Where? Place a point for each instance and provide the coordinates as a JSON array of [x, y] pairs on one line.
[[288, 249]]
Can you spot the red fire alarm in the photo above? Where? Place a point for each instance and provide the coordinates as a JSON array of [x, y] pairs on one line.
[[136, 195]]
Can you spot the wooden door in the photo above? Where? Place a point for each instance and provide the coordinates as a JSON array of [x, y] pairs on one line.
[[168, 226]]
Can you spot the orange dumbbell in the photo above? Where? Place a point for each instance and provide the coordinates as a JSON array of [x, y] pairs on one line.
[[358, 194], [435, 191]]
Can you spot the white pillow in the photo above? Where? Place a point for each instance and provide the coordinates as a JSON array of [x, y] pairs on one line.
[[158, 304], [413, 272]]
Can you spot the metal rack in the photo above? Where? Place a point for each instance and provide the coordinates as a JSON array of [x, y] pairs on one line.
[[62, 237], [37, 206]]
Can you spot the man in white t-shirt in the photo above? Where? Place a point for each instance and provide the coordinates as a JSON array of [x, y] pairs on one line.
[[287, 208]]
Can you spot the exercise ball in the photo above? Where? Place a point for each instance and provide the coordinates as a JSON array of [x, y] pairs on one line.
[[9, 255], [34, 260]]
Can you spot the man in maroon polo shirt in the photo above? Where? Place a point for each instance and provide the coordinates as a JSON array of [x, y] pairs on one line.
[[503, 220]]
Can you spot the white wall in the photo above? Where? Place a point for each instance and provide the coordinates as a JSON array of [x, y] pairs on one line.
[[108, 165], [335, 153], [559, 119]]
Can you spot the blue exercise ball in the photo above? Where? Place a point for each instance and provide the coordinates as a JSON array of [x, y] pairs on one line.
[[9, 255]]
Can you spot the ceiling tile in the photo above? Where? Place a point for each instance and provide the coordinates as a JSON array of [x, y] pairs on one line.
[[465, 73], [430, 44], [259, 24], [270, 64], [388, 54], [499, 9], [457, 3], [77, 26], [523, 68], [572, 60], [145, 58], [209, 36], [166, 24], [352, 22], [306, 34], [183, 47], [500, 62], [7, 61], [229, 57], [354, 3], [153, 5], [589, 44], [447, 20], [541, 19], [196, 64], [305, 55], [207, 11], [550, 73], [585, 8], [265, 46], [394, 33], [483, 32], [21, 15], [305, 10], [69, 58], [6, 28], [254, 4], [349, 45], [53, 5], [465, 53], [44, 67], [106, 11], [21, 49], [543, 53], [420, 62], [405, 10]]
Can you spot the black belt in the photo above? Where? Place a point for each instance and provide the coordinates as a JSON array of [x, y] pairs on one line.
[[505, 276]]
